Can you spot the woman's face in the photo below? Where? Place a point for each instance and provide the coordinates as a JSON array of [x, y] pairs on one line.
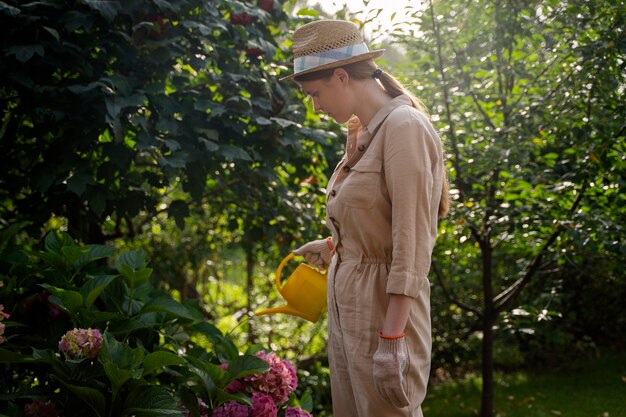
[[330, 96]]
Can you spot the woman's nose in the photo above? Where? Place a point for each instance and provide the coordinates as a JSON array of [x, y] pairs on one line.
[[316, 105]]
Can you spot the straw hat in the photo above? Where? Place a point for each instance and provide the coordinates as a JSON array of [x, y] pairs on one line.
[[325, 44]]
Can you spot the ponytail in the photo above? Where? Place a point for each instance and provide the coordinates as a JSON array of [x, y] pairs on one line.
[[363, 70]]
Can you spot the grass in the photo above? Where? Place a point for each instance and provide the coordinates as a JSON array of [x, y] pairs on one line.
[[585, 388]]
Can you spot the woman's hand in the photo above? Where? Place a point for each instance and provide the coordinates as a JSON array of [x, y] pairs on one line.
[[316, 253]]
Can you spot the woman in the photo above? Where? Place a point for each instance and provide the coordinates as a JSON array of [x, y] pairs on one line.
[[383, 202]]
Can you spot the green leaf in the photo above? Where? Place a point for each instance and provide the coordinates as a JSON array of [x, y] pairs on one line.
[[7, 233], [120, 362], [306, 402], [308, 12], [246, 365], [136, 259], [55, 240], [92, 397], [53, 32], [178, 209], [94, 286], [25, 52], [160, 359], [135, 278], [8, 356], [108, 9], [68, 300], [10, 10], [223, 346], [120, 353], [94, 252], [150, 400], [72, 253], [165, 304], [177, 159], [231, 153], [202, 370], [77, 183]]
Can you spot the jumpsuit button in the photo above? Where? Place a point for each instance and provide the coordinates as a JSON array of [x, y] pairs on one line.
[[333, 193], [361, 148], [346, 169]]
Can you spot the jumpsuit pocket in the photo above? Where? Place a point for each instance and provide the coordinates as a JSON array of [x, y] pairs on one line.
[[361, 187]]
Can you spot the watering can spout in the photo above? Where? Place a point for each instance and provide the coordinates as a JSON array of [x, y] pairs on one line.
[[287, 309], [304, 291]]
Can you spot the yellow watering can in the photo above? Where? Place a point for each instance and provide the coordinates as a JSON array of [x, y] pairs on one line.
[[304, 291]]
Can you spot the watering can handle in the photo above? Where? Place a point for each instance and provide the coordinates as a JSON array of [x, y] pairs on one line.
[[280, 268]]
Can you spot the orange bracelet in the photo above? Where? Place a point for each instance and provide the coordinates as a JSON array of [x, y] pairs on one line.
[[329, 243], [380, 334]]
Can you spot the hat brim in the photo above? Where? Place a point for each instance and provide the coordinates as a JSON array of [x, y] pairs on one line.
[[357, 58]]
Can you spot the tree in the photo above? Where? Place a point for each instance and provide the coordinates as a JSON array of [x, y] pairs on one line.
[[116, 112], [530, 99]]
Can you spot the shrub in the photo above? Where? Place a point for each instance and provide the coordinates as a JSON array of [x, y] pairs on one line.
[[86, 335]]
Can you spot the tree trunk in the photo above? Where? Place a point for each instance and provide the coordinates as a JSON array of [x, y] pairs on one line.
[[250, 261], [487, 369], [489, 315]]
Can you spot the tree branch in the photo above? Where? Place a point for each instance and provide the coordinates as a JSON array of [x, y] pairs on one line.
[[449, 295], [504, 300]]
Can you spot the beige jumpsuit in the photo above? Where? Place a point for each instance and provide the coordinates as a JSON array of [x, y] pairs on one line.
[[382, 204]]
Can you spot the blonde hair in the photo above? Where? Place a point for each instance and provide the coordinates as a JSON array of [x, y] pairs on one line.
[[364, 70]]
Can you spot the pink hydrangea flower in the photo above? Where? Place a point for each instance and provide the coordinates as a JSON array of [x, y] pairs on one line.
[[263, 405], [279, 381], [3, 315], [39, 408], [202, 408], [81, 343], [232, 409], [296, 412], [234, 386]]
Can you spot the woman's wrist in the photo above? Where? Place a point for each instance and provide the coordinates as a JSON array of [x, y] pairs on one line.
[[329, 243], [390, 337]]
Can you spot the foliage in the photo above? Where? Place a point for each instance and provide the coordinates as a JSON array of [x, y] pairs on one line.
[[150, 355], [530, 98], [116, 112]]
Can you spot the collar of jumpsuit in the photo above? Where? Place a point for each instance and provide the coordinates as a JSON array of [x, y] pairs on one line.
[[359, 135]]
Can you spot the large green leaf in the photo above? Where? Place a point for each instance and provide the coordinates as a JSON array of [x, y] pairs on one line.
[[165, 304], [9, 356], [135, 259], [91, 396], [151, 401], [135, 278], [94, 252], [245, 365], [160, 359], [223, 346], [120, 362], [108, 9], [94, 286], [69, 300], [56, 240]]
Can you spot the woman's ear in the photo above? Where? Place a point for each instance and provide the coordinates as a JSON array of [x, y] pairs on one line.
[[342, 75]]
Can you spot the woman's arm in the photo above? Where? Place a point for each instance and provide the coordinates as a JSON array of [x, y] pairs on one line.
[[397, 314]]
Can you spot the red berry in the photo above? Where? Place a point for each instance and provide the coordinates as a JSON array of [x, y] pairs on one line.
[[267, 5], [254, 52], [240, 18]]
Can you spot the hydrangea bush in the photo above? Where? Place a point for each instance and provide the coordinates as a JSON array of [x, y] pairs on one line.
[[269, 391], [83, 334]]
